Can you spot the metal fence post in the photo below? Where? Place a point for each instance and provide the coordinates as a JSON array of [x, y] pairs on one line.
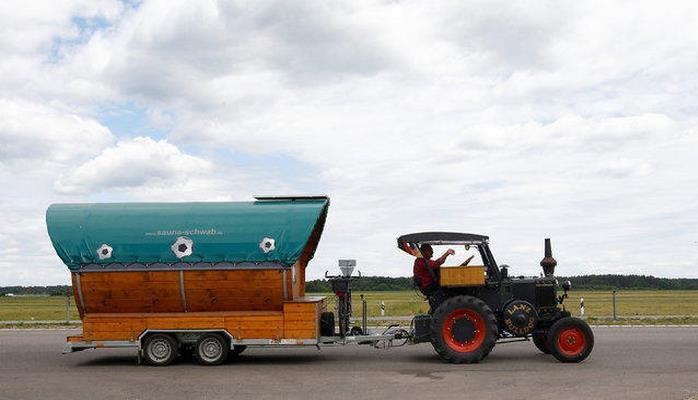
[[364, 315], [614, 304]]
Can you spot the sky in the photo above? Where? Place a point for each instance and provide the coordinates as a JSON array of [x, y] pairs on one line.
[[573, 120]]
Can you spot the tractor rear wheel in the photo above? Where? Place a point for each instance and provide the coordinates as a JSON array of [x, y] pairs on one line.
[[463, 330], [540, 339], [570, 340]]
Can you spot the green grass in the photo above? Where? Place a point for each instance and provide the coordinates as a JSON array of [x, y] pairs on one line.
[[36, 308], [632, 307], [596, 303], [635, 303]]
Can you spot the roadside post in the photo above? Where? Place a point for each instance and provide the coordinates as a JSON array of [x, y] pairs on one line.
[[581, 306], [614, 304], [364, 315]]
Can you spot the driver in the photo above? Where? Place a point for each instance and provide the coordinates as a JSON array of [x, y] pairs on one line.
[[426, 273]]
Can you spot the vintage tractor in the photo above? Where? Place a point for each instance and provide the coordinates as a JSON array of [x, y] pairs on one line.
[[475, 307]]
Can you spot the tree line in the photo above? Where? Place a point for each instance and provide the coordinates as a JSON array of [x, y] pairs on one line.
[[58, 290], [585, 282], [384, 284]]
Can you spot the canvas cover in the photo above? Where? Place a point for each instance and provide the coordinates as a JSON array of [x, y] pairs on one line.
[[273, 230]]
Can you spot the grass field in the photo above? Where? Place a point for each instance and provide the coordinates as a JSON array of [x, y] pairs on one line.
[[641, 306], [597, 304], [36, 308]]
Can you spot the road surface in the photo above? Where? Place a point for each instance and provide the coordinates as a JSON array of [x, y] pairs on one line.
[[627, 363]]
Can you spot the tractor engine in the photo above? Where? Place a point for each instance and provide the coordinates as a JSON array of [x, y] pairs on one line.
[[535, 299]]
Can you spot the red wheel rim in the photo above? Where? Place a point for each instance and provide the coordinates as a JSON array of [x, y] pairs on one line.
[[464, 315], [571, 341]]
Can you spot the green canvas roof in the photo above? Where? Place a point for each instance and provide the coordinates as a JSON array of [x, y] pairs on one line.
[[276, 230]]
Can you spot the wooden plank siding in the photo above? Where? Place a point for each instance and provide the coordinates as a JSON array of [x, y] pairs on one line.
[[249, 304], [302, 317], [129, 326], [160, 291], [128, 292], [299, 320], [234, 290]]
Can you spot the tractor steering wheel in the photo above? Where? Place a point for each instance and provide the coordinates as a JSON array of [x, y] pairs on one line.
[[467, 261]]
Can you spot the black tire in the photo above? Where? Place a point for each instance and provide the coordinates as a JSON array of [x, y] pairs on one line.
[[327, 324], [237, 350], [540, 339], [570, 340], [463, 330], [160, 349], [211, 349]]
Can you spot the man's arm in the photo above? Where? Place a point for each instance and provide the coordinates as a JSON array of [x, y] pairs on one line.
[[448, 252]]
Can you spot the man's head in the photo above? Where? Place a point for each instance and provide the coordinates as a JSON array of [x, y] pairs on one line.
[[426, 251]]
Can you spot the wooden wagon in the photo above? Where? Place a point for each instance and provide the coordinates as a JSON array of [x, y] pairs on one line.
[[213, 277]]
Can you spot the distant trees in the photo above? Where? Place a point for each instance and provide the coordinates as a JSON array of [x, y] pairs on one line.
[[60, 290], [384, 284], [588, 282], [631, 282], [366, 284]]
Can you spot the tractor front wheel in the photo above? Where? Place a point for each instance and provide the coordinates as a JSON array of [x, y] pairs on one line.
[[463, 330], [570, 340]]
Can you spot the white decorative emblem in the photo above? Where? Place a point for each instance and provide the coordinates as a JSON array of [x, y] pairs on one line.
[[182, 247], [267, 245], [104, 251]]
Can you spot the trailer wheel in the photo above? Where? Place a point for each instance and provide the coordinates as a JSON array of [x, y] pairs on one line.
[[540, 339], [211, 349], [463, 330], [570, 340], [160, 349]]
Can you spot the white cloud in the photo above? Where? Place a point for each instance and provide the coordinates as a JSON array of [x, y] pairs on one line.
[[132, 164], [519, 121], [27, 27], [34, 135]]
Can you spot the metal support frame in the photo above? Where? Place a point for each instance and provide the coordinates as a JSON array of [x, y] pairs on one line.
[[317, 319], [182, 291], [82, 301], [186, 266]]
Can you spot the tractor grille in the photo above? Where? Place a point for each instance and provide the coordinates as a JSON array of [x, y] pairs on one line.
[[546, 294]]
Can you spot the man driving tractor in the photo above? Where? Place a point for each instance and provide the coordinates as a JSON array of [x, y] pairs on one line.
[[426, 274]]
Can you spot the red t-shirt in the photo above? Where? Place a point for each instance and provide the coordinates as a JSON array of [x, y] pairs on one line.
[[422, 273]]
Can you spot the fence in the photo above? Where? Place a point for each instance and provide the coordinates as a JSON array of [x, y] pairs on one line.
[[597, 304]]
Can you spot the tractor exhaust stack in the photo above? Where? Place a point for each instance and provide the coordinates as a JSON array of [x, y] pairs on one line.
[[548, 262]]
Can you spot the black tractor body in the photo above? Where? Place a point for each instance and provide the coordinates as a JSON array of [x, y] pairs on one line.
[[475, 306]]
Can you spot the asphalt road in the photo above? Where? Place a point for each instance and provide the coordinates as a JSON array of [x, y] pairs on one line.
[[627, 363]]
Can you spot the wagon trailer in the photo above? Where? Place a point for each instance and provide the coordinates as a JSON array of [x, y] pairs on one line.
[[216, 278]]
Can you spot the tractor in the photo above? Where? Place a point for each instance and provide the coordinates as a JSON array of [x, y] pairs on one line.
[[476, 306]]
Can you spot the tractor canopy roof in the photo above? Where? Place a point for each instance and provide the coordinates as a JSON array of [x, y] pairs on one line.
[[410, 243], [276, 230]]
